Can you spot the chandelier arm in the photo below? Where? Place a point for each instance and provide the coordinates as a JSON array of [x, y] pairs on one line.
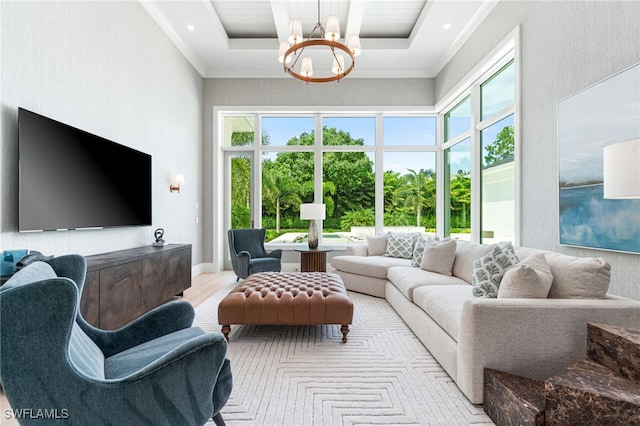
[[321, 42]]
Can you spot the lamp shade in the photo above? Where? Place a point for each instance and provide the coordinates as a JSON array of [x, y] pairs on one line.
[[179, 179], [312, 211], [284, 46], [621, 170], [333, 29], [307, 67], [295, 32], [354, 45], [338, 64]]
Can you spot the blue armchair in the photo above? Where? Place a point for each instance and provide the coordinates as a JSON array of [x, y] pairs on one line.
[[157, 370], [248, 254]]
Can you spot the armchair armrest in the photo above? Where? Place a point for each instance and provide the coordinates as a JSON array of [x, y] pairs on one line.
[[275, 254], [164, 319], [530, 337]]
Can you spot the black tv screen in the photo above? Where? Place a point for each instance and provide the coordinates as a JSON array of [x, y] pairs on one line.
[[72, 179]]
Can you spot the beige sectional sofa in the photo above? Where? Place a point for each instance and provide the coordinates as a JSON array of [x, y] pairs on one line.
[[532, 337]]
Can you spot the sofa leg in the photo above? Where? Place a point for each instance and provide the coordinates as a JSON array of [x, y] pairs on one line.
[[345, 331], [218, 420]]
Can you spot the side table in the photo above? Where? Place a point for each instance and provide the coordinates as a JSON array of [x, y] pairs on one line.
[[313, 260]]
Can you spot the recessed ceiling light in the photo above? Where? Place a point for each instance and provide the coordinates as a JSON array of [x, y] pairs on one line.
[[190, 27], [446, 26]]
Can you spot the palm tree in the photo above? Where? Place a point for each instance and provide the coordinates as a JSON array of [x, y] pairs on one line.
[[415, 192], [279, 189]]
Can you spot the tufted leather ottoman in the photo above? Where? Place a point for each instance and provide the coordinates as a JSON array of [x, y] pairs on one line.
[[287, 298]]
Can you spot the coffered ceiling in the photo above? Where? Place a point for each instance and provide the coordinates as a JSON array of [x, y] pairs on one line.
[[240, 38]]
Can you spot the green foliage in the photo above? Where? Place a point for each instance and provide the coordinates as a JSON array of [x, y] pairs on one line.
[[348, 188], [501, 149], [357, 217]]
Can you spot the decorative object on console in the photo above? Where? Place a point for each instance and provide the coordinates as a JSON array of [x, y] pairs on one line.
[[313, 212], [33, 256], [327, 40], [10, 259], [621, 170], [178, 181], [160, 242], [594, 121]]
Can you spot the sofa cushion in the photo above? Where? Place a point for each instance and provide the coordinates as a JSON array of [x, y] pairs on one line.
[[376, 246], [439, 256], [466, 253], [489, 270], [399, 245], [531, 278], [574, 277], [578, 277], [408, 278], [444, 304], [370, 266]]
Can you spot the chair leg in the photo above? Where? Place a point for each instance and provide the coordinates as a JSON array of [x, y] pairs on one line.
[[218, 420]]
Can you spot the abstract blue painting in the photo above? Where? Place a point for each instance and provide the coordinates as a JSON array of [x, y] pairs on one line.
[[605, 113]]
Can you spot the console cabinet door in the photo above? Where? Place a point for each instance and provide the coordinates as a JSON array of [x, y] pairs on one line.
[[90, 300], [120, 294]]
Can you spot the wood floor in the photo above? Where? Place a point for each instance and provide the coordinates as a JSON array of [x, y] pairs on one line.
[[202, 287]]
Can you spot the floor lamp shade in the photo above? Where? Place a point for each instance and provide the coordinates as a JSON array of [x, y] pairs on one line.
[[313, 212], [621, 170]]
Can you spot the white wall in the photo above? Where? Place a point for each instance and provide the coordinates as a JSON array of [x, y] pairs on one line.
[[106, 68], [565, 47]]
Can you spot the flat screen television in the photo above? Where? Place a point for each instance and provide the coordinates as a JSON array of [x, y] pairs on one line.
[[72, 179]]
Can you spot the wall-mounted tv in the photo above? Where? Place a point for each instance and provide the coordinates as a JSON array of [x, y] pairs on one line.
[[72, 179]]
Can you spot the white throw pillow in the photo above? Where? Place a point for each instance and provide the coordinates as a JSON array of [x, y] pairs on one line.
[[489, 270], [578, 277], [531, 278], [439, 256], [376, 246], [399, 245]]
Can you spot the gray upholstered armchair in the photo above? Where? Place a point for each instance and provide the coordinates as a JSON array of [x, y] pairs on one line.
[[157, 370], [248, 254]]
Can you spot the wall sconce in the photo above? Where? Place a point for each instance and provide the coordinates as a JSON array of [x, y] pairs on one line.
[[621, 167], [313, 212], [178, 181]]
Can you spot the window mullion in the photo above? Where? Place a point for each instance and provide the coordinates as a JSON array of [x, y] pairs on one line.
[[476, 169]]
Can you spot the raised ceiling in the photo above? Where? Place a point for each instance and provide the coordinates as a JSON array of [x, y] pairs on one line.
[[240, 38]]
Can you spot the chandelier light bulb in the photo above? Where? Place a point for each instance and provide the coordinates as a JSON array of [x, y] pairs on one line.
[[354, 45], [284, 46], [333, 29], [338, 64], [295, 32], [307, 67]]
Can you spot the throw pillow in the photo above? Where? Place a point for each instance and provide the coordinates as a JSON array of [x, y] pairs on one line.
[[579, 277], [439, 256], [376, 246], [399, 245], [489, 270], [530, 278], [418, 250]]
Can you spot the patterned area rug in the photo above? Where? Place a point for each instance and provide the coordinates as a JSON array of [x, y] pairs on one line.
[[305, 375]]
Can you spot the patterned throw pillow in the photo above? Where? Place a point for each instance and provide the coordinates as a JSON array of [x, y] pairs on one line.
[[490, 268], [418, 250], [399, 245]]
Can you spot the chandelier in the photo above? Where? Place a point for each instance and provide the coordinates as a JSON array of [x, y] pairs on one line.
[[291, 51]]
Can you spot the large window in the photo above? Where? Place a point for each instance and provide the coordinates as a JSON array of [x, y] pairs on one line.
[[378, 172], [339, 167], [479, 157]]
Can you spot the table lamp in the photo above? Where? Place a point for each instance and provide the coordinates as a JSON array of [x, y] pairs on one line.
[[312, 212]]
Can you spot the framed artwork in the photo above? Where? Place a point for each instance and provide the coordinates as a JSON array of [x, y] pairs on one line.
[[607, 112]]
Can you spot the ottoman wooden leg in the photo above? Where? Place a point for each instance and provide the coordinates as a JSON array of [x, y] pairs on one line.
[[225, 330], [345, 331]]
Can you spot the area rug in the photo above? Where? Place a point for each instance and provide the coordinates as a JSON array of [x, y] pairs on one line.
[[305, 375]]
